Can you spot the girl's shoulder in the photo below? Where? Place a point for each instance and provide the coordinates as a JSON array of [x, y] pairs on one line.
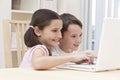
[[42, 47], [39, 46]]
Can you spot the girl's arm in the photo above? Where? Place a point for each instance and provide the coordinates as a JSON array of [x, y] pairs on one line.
[[39, 61]]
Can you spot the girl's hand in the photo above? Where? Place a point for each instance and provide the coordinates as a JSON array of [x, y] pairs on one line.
[[85, 57]]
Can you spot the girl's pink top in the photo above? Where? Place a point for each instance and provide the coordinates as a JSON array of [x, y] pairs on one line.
[[26, 62]]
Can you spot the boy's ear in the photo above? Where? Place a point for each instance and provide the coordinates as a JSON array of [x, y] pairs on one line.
[[37, 31]]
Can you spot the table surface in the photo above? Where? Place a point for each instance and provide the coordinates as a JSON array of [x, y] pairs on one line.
[[56, 74]]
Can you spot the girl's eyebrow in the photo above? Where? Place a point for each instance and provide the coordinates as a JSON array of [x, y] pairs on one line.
[[57, 28]]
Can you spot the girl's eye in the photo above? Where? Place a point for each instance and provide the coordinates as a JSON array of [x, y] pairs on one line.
[[54, 30]]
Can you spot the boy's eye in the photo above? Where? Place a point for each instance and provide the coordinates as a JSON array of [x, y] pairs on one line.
[[74, 36], [80, 35]]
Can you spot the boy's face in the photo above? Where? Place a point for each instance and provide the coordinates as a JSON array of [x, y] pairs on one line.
[[71, 38], [51, 34]]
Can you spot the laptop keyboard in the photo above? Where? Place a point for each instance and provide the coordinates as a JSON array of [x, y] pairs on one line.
[[83, 65], [71, 65]]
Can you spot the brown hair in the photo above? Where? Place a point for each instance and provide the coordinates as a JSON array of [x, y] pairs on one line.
[[67, 20], [41, 18]]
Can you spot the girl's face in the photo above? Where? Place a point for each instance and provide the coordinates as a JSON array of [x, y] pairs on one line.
[[51, 34], [71, 38]]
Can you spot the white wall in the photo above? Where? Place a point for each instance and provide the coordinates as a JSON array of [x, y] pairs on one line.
[[4, 13], [70, 6]]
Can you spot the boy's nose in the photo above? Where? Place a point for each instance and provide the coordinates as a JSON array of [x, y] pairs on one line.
[[79, 40]]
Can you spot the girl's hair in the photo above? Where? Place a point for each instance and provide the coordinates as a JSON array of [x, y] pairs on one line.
[[67, 20], [41, 18]]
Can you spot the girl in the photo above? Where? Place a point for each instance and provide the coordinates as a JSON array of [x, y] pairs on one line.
[[43, 34]]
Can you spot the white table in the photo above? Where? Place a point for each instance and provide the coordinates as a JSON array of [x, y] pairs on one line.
[[56, 74]]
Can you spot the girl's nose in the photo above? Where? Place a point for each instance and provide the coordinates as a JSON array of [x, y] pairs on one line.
[[59, 35]]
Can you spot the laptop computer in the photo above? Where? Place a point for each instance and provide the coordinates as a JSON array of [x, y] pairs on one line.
[[109, 49]]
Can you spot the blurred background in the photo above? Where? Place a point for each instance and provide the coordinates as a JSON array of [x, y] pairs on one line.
[[90, 12]]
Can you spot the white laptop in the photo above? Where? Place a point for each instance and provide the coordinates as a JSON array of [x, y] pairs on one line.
[[109, 49]]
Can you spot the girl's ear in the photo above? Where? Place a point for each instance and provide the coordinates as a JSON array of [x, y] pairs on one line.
[[37, 31]]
